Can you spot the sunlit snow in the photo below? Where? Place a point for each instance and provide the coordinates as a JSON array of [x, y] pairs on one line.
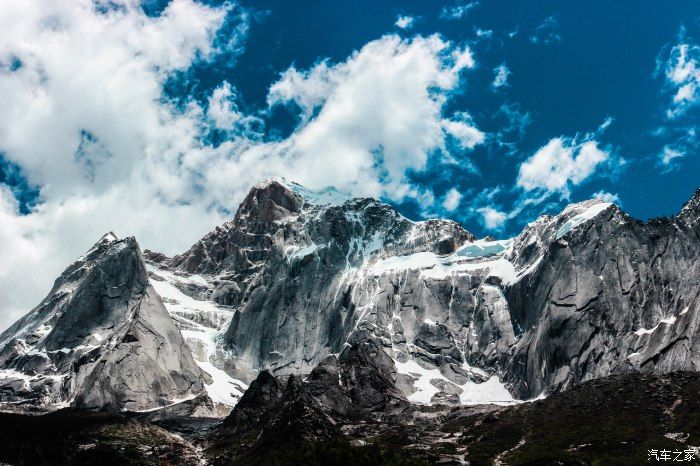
[[491, 391], [582, 217]]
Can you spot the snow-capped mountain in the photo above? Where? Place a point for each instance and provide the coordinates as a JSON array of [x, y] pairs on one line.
[[299, 274]]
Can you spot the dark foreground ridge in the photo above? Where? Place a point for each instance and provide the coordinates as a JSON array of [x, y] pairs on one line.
[[613, 420]]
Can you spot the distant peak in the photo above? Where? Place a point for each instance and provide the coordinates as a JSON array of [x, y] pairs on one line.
[[270, 181], [269, 201], [328, 196], [108, 237]]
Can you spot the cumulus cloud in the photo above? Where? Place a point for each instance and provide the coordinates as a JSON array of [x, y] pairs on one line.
[[501, 73], [451, 200], [681, 69], [306, 89], [85, 117], [558, 165], [385, 104], [76, 66], [404, 22], [492, 219]]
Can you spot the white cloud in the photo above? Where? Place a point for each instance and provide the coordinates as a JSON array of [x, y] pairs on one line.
[[84, 116], [487, 33], [685, 142], [463, 130], [404, 22], [669, 154], [383, 103], [224, 114], [458, 10], [451, 200], [77, 68], [501, 73], [493, 219], [607, 197], [682, 72], [605, 125], [309, 90], [562, 162]]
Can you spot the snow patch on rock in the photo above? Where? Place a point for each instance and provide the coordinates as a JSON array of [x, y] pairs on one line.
[[588, 214]]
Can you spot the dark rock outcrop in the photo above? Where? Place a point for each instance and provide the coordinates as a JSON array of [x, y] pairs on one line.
[[272, 418]]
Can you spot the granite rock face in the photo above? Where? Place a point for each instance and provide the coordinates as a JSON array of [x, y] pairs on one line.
[[305, 282], [580, 295], [101, 339], [614, 295]]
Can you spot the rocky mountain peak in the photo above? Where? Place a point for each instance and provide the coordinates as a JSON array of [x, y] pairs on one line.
[[100, 339], [304, 281], [268, 202], [690, 212]]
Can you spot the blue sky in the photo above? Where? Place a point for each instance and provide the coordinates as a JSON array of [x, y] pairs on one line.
[[153, 119], [570, 67]]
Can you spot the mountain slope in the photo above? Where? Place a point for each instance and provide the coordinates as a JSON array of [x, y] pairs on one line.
[[101, 339], [299, 275], [579, 295]]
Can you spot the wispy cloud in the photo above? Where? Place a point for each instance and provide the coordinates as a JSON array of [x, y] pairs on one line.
[[458, 10], [605, 125], [513, 122], [669, 154], [673, 152], [484, 33], [681, 69], [500, 79], [546, 32]]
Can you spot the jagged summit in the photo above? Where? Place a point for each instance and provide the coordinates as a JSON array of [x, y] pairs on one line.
[[360, 226], [109, 237], [690, 212], [328, 196]]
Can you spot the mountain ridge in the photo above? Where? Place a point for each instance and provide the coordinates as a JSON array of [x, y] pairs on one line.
[[297, 274]]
